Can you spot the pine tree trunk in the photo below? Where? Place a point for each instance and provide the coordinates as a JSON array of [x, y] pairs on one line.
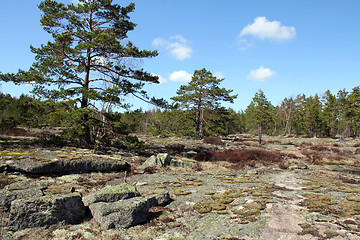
[[86, 137], [201, 130], [260, 132]]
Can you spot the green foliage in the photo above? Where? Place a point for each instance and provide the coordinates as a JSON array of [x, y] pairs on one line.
[[202, 93], [130, 142], [86, 59], [259, 113]]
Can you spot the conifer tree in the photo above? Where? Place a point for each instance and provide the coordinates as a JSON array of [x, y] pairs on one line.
[[87, 59], [261, 111], [201, 93]]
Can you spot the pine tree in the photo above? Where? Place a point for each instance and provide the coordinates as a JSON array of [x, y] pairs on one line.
[[329, 113], [262, 112], [201, 93], [87, 59]]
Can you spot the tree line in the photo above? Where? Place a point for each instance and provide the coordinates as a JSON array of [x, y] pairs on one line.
[[327, 115]]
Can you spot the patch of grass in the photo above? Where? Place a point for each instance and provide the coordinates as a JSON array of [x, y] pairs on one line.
[[308, 229]]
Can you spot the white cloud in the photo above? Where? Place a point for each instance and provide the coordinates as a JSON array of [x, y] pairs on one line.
[[75, 1], [177, 46], [261, 74], [219, 75], [180, 76], [265, 29], [244, 44]]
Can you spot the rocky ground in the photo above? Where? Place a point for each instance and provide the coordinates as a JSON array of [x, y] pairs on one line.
[[313, 192]]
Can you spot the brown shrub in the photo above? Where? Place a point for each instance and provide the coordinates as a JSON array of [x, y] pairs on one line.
[[213, 140], [293, 156], [357, 151], [319, 148], [175, 148], [335, 150], [241, 157], [356, 145]]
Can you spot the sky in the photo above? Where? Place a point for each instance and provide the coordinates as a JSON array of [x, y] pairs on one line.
[[282, 47]]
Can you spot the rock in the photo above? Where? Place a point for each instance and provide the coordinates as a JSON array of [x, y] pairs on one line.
[[7, 196], [60, 167], [45, 211], [123, 213], [128, 212], [190, 154], [95, 165], [183, 162], [158, 199], [112, 194], [161, 160]]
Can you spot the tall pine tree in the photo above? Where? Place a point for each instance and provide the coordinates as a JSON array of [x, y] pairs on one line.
[[202, 93], [87, 59]]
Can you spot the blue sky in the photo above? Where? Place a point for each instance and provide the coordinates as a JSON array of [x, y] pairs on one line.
[[283, 47]]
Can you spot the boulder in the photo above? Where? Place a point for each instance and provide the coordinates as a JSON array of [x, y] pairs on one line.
[[159, 161], [112, 194], [128, 212], [183, 162], [158, 199], [123, 213], [9, 195], [45, 211]]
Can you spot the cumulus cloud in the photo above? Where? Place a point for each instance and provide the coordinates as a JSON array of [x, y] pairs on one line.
[[265, 29], [177, 46], [180, 76], [261, 74]]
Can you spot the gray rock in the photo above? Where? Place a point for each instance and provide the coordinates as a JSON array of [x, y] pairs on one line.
[[128, 212], [159, 161], [158, 199], [95, 165], [7, 196], [55, 166], [112, 194], [46, 211], [183, 162], [123, 213]]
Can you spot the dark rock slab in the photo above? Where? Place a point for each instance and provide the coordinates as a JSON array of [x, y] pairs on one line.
[[45, 211], [59, 167]]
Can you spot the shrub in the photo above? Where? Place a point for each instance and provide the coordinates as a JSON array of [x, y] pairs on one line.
[[213, 140], [241, 157], [175, 148], [319, 148]]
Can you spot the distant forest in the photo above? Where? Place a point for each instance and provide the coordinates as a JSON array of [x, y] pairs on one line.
[[327, 115]]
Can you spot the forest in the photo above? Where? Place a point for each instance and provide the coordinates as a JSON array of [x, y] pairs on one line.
[[328, 115]]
